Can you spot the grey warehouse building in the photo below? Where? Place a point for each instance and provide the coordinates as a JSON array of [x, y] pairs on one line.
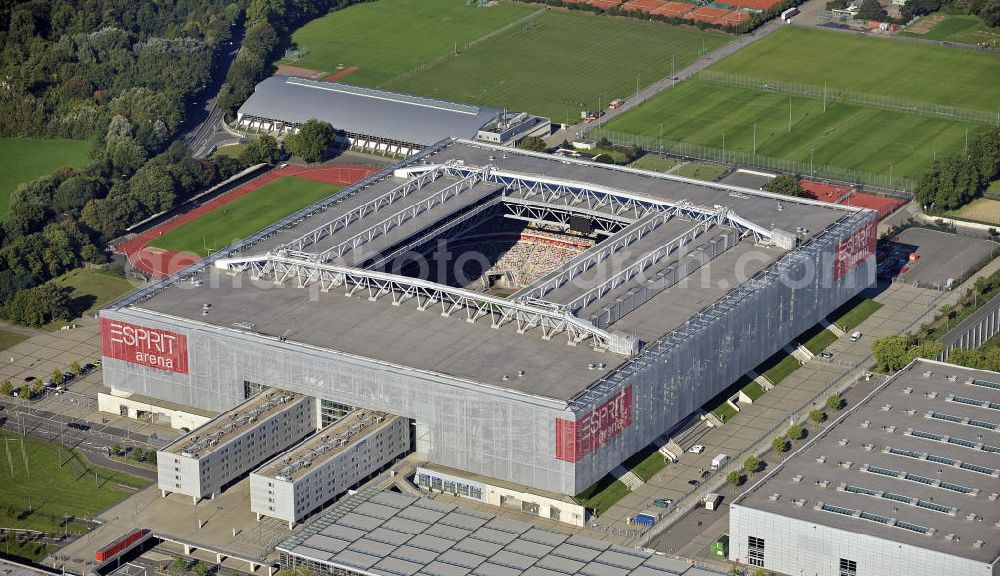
[[378, 120], [682, 287], [905, 483]]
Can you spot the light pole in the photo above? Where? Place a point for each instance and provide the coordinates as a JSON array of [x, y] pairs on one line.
[[811, 152], [755, 138]]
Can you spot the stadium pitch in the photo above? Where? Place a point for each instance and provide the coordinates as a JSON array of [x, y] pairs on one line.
[[552, 63], [244, 216]]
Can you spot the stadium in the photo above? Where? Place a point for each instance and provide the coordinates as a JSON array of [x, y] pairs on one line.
[[536, 319]]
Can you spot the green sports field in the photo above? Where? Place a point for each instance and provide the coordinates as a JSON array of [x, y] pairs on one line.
[[25, 159], [949, 77], [388, 37], [553, 63], [548, 68], [43, 482], [244, 216], [845, 136]]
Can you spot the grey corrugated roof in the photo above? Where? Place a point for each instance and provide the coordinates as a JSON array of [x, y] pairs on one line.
[[367, 111], [498, 548]]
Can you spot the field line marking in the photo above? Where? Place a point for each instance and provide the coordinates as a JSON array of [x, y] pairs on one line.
[[445, 57]]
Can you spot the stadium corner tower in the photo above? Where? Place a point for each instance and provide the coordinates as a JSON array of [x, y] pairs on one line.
[[538, 319]]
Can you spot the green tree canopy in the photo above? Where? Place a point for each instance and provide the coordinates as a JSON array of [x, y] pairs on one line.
[[786, 184], [311, 141], [534, 143], [263, 150], [870, 10]]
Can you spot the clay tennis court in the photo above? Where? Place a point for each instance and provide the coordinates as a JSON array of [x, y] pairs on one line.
[[826, 192], [707, 14], [160, 263], [647, 6], [674, 9], [761, 5], [602, 4], [733, 19], [884, 204]]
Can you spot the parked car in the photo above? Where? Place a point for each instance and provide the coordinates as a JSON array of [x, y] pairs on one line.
[[826, 354], [78, 426], [696, 449], [856, 336], [694, 482], [663, 502]]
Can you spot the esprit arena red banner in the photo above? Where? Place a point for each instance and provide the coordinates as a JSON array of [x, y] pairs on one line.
[[854, 250], [151, 347], [575, 440]]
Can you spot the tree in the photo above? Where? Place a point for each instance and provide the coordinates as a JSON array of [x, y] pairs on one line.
[[137, 454], [116, 449], [75, 368], [794, 432], [57, 377], [990, 13], [891, 352], [200, 568], [6, 388], [870, 10], [24, 393], [734, 478], [751, 464], [311, 141], [760, 572], [264, 150], [297, 571], [533, 143], [834, 401], [779, 444], [179, 563], [786, 184], [36, 387], [816, 415]]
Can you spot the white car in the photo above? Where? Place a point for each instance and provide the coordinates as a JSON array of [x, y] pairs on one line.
[[696, 449]]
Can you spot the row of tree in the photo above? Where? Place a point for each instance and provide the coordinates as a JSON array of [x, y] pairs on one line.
[[988, 10], [958, 178]]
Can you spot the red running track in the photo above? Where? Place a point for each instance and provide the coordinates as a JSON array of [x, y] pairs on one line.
[[159, 263]]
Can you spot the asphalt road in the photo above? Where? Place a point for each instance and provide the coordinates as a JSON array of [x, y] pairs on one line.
[[94, 442], [204, 116]]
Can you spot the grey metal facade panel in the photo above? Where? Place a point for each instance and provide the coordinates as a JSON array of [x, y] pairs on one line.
[[291, 102], [500, 434], [793, 546]]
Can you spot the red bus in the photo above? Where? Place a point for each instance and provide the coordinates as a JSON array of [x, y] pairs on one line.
[[120, 545]]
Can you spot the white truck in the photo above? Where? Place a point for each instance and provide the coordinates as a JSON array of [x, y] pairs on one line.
[[856, 336], [719, 461]]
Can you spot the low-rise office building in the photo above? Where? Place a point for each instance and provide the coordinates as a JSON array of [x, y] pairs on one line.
[[906, 482], [203, 462], [328, 464]]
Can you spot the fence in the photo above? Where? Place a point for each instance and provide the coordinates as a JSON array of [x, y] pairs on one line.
[[880, 183], [826, 16], [831, 94]]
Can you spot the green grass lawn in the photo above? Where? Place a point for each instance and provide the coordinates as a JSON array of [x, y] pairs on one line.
[[91, 289], [25, 159], [961, 28], [856, 311], [244, 216], [602, 494], [559, 63], [820, 341], [782, 368], [654, 163], [753, 390], [912, 71], [646, 463], [388, 37], [700, 171], [725, 412], [54, 491], [842, 136], [232, 151], [10, 339]]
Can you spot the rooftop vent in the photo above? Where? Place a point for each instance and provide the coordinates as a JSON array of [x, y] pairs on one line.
[[799, 502], [950, 537], [927, 373], [843, 442], [847, 464], [993, 496], [774, 497], [978, 544], [887, 407], [911, 411], [932, 395], [823, 483], [866, 423], [821, 459], [797, 478], [869, 447], [952, 378], [908, 390], [972, 516]]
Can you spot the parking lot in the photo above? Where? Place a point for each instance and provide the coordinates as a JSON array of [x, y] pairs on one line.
[[940, 255]]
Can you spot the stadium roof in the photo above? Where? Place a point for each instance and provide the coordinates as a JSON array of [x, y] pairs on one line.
[[375, 532], [475, 352], [389, 115], [916, 462]]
